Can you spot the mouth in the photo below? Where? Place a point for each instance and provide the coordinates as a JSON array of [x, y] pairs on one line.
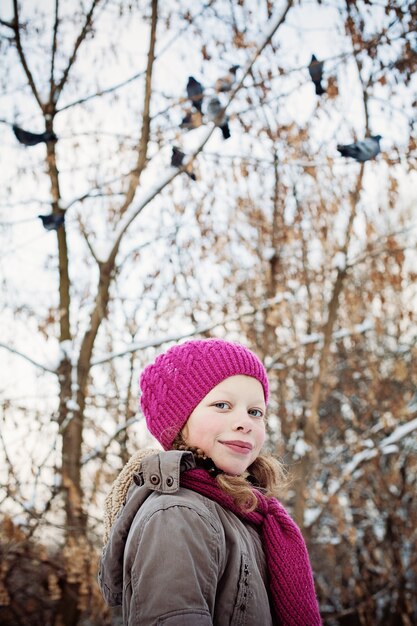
[[241, 447]]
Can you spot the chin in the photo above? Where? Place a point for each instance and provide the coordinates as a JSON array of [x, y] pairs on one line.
[[231, 468]]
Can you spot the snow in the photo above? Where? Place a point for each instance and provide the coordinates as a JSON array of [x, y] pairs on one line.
[[268, 253], [356, 330], [390, 449], [58, 352], [72, 405], [379, 530], [339, 261], [66, 421], [313, 338], [301, 448], [19, 520], [343, 332], [413, 404], [384, 447], [368, 443], [65, 348], [310, 516], [400, 432]]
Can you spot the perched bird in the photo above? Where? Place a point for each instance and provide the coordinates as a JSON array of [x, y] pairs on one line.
[[32, 139], [192, 119], [177, 161], [362, 150], [225, 83], [315, 70], [195, 92], [52, 221], [215, 113]]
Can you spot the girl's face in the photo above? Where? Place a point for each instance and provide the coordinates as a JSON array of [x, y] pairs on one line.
[[228, 424]]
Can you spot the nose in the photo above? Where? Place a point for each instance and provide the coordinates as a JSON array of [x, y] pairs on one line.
[[243, 423]]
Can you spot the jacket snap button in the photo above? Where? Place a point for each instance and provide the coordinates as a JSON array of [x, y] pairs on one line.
[[138, 480], [154, 479], [169, 481]]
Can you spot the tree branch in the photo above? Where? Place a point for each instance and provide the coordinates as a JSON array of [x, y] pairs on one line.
[[312, 421], [16, 28], [7, 24], [146, 119], [201, 330], [100, 452], [27, 358], [103, 92], [171, 175], [53, 53], [78, 43], [361, 457], [312, 425], [88, 242]]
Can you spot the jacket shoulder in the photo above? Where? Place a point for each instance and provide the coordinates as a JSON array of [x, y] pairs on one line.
[[180, 504]]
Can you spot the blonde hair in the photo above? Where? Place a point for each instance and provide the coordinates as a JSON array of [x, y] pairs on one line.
[[266, 474]]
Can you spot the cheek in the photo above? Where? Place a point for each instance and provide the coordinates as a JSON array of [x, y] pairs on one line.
[[261, 435], [203, 432], [194, 433]]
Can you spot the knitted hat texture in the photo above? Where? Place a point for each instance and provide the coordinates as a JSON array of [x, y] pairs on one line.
[[180, 378]]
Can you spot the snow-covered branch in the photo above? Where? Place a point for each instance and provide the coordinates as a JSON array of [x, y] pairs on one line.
[[158, 341], [357, 329], [384, 447]]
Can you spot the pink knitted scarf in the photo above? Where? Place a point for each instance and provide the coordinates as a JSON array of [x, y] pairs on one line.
[[291, 580]]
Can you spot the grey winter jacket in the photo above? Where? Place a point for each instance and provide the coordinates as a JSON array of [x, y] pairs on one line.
[[177, 558]]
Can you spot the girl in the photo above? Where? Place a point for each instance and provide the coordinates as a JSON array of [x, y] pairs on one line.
[[194, 534]]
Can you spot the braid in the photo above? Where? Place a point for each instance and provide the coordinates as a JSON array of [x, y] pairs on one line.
[[179, 444]]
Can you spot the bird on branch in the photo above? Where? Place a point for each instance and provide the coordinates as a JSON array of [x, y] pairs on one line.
[[195, 91], [52, 221], [363, 150], [177, 160], [32, 139], [192, 119], [225, 83], [215, 113], [315, 69]]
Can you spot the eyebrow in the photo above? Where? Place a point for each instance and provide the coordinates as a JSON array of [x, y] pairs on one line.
[[232, 396]]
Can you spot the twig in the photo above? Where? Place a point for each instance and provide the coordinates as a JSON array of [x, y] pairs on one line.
[[88, 242], [146, 119], [78, 42], [99, 452], [27, 358], [129, 80], [16, 28], [53, 53]]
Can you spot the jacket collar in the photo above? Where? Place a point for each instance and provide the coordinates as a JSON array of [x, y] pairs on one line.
[[161, 472]]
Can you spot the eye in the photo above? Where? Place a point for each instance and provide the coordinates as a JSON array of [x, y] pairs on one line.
[[222, 405], [256, 413]]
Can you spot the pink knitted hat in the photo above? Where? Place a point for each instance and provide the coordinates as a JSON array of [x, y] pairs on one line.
[[180, 378]]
